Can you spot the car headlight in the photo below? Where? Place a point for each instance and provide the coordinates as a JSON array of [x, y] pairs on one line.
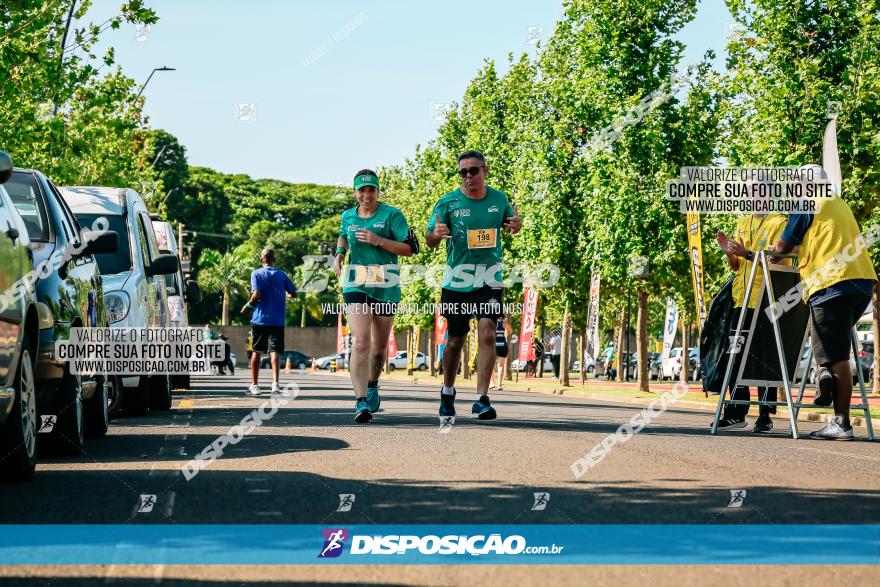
[[117, 305]]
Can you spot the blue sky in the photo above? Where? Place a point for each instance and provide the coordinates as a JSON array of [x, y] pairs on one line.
[[364, 101]]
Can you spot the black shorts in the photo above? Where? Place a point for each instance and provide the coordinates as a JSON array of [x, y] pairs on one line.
[[459, 307], [267, 339], [365, 303], [833, 321]]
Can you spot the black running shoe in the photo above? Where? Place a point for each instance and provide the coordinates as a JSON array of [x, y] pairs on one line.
[[825, 385], [763, 424]]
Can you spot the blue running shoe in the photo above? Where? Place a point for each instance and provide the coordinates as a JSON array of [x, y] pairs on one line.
[[362, 412], [482, 409], [447, 404], [373, 399]]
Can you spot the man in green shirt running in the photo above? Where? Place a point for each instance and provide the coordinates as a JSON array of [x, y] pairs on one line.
[[374, 234], [470, 221]]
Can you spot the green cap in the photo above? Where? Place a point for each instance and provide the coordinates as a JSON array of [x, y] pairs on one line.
[[366, 179]]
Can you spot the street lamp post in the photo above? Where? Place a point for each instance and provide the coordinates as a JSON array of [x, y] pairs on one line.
[[151, 77]]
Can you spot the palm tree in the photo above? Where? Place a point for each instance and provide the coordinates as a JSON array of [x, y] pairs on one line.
[[227, 272]]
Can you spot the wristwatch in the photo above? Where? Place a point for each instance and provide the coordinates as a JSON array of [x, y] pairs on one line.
[[750, 256]]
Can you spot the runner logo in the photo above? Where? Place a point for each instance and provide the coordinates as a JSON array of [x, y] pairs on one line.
[[147, 504], [334, 541], [47, 423], [737, 497], [346, 500], [493, 209], [541, 501]]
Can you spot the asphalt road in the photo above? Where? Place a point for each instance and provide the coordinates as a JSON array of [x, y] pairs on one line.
[[402, 469]]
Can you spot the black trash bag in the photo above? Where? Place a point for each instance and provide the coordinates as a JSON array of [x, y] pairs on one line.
[[715, 338]]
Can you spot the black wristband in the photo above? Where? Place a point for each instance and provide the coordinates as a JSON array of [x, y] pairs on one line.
[[750, 256]]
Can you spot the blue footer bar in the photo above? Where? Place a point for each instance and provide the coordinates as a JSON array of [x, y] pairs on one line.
[[439, 544]]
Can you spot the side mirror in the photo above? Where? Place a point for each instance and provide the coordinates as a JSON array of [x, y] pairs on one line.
[[5, 167], [99, 242], [193, 292], [165, 264]]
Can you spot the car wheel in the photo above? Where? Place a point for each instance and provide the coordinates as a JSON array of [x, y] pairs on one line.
[[301, 365], [96, 411], [68, 436], [160, 393], [423, 367], [136, 402], [391, 367], [18, 436]]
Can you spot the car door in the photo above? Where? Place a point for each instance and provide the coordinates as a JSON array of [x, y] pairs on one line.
[[163, 315], [147, 288], [13, 264], [84, 277]]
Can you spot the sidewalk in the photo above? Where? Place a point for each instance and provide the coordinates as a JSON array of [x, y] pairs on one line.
[[628, 392]]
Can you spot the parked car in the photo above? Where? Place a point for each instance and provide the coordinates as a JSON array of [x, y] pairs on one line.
[[517, 365], [655, 365], [297, 360], [19, 336], [672, 365], [134, 285], [181, 291], [69, 295], [324, 362], [865, 363], [401, 361], [865, 326], [695, 370]]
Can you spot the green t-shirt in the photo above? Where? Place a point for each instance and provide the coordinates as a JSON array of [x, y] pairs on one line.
[[475, 246], [372, 270]]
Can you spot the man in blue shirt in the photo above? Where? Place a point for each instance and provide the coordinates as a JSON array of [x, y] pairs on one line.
[[271, 288]]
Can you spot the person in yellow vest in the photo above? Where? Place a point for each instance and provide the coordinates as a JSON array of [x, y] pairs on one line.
[[838, 278], [753, 233]]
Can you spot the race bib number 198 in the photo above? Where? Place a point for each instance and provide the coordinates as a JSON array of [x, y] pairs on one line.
[[369, 274], [482, 238]]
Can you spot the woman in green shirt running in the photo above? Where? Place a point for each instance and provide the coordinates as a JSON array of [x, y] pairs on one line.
[[374, 234]]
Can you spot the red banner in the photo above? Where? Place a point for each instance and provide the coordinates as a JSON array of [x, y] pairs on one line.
[[340, 334], [527, 329], [440, 327], [392, 344]]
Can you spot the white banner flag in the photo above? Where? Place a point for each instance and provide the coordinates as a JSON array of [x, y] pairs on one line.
[[670, 328], [830, 158], [591, 345]]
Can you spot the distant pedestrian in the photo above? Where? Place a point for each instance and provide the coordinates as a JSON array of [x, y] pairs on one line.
[[271, 288]]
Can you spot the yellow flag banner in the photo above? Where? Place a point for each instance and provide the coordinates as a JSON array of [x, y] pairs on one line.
[[695, 250]]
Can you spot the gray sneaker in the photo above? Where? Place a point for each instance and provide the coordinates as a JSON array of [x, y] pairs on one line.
[[834, 430]]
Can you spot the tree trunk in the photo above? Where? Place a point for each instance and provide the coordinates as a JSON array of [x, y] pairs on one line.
[[685, 340], [540, 369], [621, 330], [302, 315], [875, 303], [410, 350], [224, 314], [642, 339], [432, 353], [566, 341], [583, 362], [466, 357]]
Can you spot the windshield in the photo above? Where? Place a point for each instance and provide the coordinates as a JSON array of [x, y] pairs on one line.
[[120, 260], [22, 190]]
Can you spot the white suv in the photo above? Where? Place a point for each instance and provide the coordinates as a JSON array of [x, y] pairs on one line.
[[135, 293]]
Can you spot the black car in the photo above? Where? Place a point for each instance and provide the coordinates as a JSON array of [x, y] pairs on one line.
[[19, 333], [69, 295], [297, 360]]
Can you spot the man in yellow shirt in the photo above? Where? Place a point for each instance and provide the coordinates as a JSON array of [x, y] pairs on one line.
[[753, 233], [838, 277]]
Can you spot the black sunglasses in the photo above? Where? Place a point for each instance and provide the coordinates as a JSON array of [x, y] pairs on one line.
[[473, 171]]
